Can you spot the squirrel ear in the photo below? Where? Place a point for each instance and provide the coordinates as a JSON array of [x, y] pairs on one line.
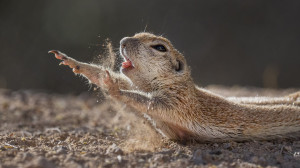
[[178, 66]]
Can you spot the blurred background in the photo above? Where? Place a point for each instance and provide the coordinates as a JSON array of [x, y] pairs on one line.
[[245, 43]]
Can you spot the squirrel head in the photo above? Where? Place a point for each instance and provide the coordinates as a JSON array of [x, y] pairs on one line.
[[151, 61]]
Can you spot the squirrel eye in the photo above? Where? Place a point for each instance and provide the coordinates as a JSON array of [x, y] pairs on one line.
[[160, 48]]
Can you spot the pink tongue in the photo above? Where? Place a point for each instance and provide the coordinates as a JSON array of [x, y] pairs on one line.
[[126, 64]]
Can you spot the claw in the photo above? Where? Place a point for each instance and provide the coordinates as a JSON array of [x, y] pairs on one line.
[[66, 60], [113, 88], [75, 70], [107, 78], [58, 54], [53, 51], [107, 74]]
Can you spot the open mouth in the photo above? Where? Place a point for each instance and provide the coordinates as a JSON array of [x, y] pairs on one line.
[[127, 63]]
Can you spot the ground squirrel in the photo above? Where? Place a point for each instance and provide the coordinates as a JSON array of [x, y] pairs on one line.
[[156, 81]]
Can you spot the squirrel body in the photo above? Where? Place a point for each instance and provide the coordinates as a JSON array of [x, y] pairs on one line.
[[156, 81]]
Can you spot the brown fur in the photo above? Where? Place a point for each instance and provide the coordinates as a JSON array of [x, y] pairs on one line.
[[180, 110]]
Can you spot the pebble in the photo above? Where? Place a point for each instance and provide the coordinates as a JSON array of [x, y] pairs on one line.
[[114, 149], [197, 157], [227, 146], [27, 156], [215, 152], [262, 161], [254, 159], [119, 157], [160, 158], [215, 145], [62, 150], [288, 148], [141, 160]]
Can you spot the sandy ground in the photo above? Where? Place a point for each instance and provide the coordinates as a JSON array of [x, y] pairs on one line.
[[48, 130]]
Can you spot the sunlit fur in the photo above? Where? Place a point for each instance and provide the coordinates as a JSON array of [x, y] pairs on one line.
[[153, 68], [182, 111], [188, 112]]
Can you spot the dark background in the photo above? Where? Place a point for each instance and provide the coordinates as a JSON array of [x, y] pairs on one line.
[[247, 43]]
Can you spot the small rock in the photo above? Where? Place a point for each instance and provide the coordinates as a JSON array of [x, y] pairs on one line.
[[227, 146], [254, 159], [197, 157], [62, 150], [27, 156], [160, 158], [215, 145], [119, 157], [114, 149], [262, 161], [288, 148], [215, 152], [177, 153], [166, 151], [141, 160]]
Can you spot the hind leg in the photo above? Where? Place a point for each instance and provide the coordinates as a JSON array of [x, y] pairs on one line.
[[293, 99], [295, 96]]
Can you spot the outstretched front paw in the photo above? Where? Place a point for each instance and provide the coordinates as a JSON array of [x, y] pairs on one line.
[[72, 63], [110, 85]]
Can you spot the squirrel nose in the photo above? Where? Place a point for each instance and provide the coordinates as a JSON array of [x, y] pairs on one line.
[[127, 40]]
